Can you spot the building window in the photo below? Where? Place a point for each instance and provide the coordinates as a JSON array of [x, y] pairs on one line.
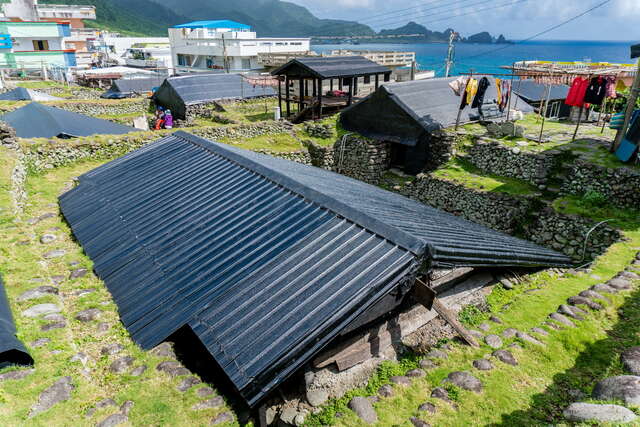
[[40, 45], [184, 60]]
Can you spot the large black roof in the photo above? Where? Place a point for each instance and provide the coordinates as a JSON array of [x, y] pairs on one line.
[[331, 67], [534, 92], [635, 51], [265, 259], [24, 94], [404, 111], [41, 121], [12, 351]]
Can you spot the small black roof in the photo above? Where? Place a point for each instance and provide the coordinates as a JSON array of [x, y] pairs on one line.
[[635, 51], [12, 351], [176, 93], [265, 259], [126, 87], [41, 121], [402, 112], [24, 94], [325, 67], [531, 91]]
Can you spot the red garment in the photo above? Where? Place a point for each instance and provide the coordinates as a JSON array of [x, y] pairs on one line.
[[578, 90]]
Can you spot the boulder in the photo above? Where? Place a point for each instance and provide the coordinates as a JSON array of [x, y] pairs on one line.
[[78, 273], [121, 365], [509, 333], [505, 356], [580, 300], [427, 407], [224, 417], [493, 341], [113, 420], [483, 364], [602, 288], [38, 292], [528, 338], [417, 422], [585, 412], [416, 373], [400, 380], [464, 380], [569, 311], [437, 354], [625, 388], [41, 310], [363, 409], [619, 284], [60, 391], [188, 383], [16, 375], [57, 253], [214, 402], [88, 315], [561, 319], [631, 360]]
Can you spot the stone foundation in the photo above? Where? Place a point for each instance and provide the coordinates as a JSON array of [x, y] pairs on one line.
[[360, 158]]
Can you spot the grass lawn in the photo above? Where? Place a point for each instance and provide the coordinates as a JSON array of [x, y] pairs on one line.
[[278, 142], [332, 122], [463, 172]]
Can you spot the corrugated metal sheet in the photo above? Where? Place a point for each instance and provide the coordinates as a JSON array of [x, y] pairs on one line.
[[23, 94], [127, 87], [531, 91], [333, 66], [176, 93], [404, 111], [41, 121], [12, 351], [267, 260]]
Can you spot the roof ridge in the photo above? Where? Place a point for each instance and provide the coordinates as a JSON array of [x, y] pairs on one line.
[[389, 232]]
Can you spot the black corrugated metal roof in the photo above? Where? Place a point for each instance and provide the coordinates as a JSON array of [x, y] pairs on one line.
[[267, 260], [127, 87], [402, 112], [332, 67], [24, 94], [531, 91], [12, 351], [41, 121], [635, 51], [177, 93]]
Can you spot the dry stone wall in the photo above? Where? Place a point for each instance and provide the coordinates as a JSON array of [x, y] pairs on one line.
[[493, 157], [568, 234], [620, 186], [498, 211], [126, 107], [360, 158]]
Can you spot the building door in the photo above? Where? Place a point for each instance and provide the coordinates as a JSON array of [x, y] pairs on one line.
[[40, 45], [246, 63]]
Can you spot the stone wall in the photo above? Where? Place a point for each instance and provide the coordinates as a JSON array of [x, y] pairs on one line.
[[620, 186], [498, 211], [111, 108], [567, 233], [321, 156], [493, 157], [18, 171], [441, 149], [41, 155], [360, 158]]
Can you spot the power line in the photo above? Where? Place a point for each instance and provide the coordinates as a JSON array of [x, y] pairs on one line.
[[548, 30]]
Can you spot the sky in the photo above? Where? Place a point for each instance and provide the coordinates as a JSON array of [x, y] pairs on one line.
[[516, 19]]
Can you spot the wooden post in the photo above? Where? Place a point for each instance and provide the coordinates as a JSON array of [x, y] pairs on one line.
[[340, 85], [545, 102], [377, 81], [331, 85], [286, 84], [575, 133], [631, 105], [280, 94], [320, 98], [513, 72], [301, 97], [350, 92], [426, 296], [354, 81]]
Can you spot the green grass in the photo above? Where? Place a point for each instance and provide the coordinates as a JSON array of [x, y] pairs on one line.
[[463, 172], [279, 142], [337, 131], [157, 401]]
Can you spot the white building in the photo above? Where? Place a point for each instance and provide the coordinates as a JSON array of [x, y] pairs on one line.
[[117, 48], [149, 55], [225, 45]]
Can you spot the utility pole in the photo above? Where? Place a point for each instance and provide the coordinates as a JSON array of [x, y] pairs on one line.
[[451, 52]]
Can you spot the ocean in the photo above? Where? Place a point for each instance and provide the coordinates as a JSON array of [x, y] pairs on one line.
[[483, 58]]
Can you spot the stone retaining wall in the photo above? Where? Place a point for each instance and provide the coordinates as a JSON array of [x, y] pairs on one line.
[[567, 233], [124, 107], [41, 155], [360, 158], [493, 157], [620, 186], [498, 211], [441, 149]]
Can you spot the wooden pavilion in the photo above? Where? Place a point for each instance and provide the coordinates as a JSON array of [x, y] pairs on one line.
[[318, 85]]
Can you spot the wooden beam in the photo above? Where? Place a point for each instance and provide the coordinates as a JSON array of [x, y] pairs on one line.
[[301, 96], [319, 98], [377, 81], [286, 83], [280, 94], [426, 296], [331, 85], [350, 92]]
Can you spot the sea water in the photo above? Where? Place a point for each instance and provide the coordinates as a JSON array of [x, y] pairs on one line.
[[487, 58]]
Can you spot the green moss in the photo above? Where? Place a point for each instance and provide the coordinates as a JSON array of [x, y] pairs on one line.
[[278, 142]]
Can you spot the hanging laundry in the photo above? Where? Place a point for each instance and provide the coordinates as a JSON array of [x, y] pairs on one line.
[[499, 90], [478, 100], [596, 91], [620, 86], [472, 89], [506, 92], [611, 87], [575, 98], [458, 85]]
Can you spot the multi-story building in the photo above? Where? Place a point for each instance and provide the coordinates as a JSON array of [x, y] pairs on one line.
[[225, 45], [35, 45]]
